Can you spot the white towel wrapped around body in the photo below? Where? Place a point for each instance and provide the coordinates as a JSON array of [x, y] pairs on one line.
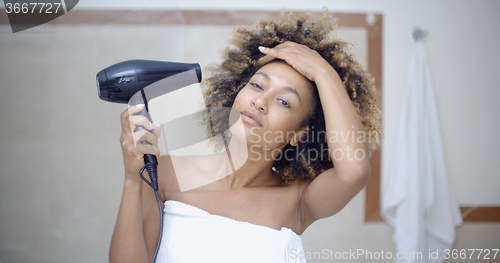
[[191, 234]]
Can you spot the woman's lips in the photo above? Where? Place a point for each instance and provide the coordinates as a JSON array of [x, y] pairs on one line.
[[250, 118]]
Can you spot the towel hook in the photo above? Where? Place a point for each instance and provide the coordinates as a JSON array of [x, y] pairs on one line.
[[417, 34]]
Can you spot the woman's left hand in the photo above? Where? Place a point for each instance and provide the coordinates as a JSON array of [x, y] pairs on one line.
[[303, 59]]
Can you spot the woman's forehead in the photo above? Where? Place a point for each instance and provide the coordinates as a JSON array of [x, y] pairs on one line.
[[279, 70], [282, 73]]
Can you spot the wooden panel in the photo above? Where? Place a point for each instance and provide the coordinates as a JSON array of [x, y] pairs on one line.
[[481, 214], [188, 17]]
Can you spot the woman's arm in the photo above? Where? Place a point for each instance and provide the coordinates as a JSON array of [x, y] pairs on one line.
[[333, 189], [137, 227]]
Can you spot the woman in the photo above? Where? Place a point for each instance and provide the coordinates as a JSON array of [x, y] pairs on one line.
[[284, 79]]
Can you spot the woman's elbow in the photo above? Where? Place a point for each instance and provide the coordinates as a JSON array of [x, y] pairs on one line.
[[362, 174], [358, 175]]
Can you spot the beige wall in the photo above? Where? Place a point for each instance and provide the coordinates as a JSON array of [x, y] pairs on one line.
[[60, 162]]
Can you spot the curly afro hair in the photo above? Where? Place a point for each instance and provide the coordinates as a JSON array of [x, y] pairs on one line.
[[240, 62]]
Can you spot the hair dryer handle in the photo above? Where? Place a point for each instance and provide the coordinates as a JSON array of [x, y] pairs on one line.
[[151, 164]]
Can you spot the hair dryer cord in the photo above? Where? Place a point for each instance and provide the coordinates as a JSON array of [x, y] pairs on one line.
[[151, 164]]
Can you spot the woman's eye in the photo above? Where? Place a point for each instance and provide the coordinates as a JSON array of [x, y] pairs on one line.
[[284, 103], [256, 85]]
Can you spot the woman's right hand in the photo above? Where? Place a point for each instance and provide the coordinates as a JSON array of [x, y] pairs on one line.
[[137, 226], [132, 148]]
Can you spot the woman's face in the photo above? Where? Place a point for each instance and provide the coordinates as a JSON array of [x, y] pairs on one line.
[[274, 104]]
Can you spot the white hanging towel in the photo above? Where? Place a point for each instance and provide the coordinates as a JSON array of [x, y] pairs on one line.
[[416, 197]]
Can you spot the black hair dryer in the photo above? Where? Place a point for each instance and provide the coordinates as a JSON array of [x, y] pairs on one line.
[[120, 82]]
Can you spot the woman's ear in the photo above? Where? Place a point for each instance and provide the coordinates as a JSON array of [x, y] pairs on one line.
[[299, 136]]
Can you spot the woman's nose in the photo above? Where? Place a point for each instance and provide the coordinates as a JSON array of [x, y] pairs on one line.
[[260, 103]]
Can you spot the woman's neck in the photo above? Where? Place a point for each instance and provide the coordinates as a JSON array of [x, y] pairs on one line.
[[253, 173]]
